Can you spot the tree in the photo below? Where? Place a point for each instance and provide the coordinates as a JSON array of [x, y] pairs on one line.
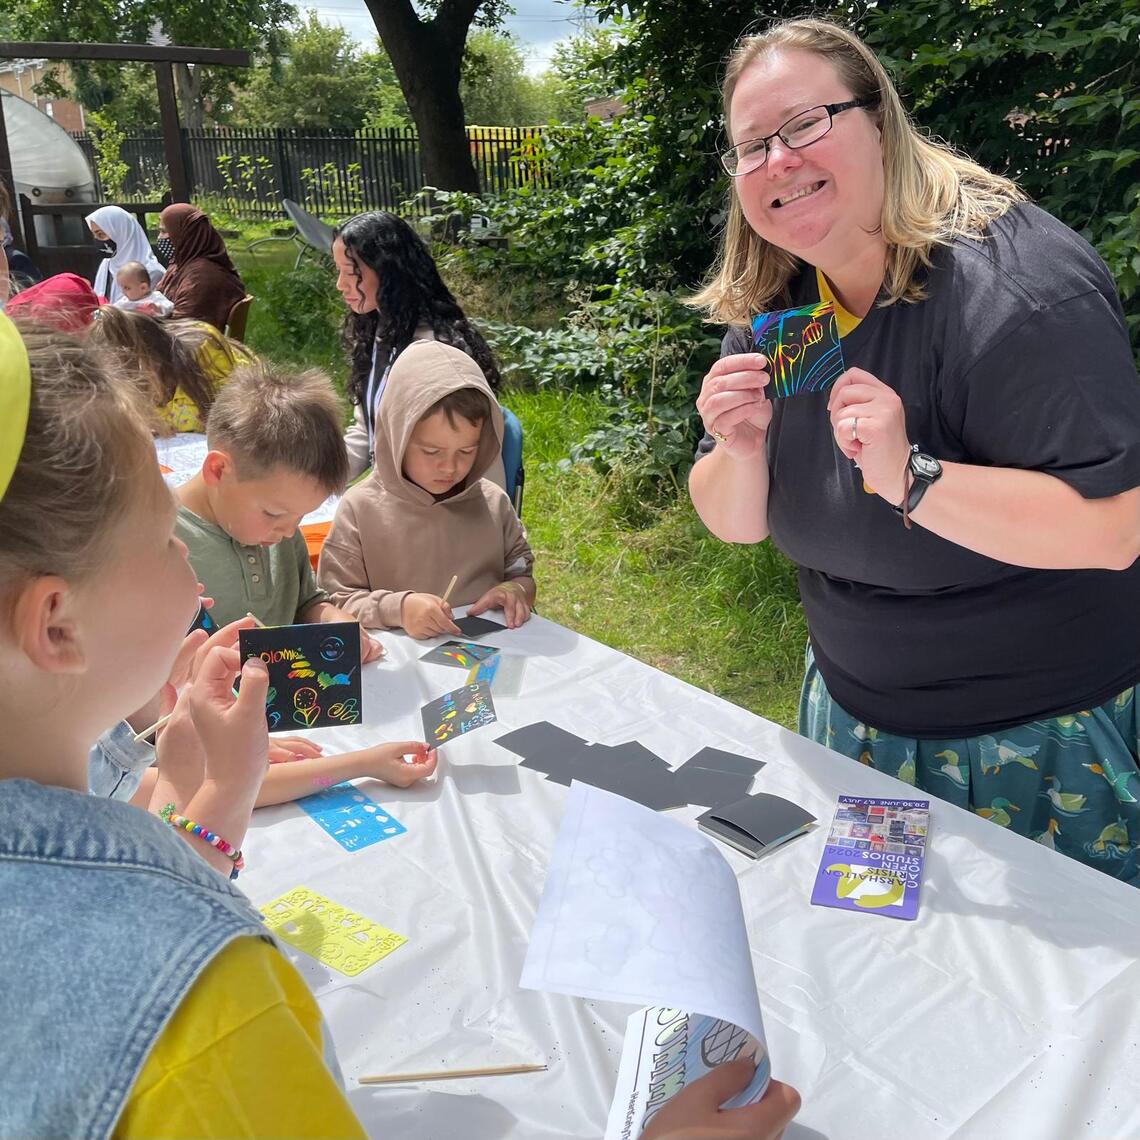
[[320, 79], [427, 55], [494, 86], [247, 24], [1048, 92]]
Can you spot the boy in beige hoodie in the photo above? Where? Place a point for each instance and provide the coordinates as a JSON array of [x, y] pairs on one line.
[[427, 512]]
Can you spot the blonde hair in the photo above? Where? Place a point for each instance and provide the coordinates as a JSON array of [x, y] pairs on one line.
[[931, 194], [85, 448], [268, 416]]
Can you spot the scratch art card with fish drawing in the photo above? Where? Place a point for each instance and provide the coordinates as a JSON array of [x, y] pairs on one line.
[[874, 856], [461, 654], [457, 712], [314, 673], [802, 347]]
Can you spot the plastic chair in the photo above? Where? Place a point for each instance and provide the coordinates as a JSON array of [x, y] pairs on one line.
[[513, 458], [313, 233]]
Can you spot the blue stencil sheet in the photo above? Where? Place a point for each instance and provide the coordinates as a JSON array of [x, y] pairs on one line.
[[353, 819]]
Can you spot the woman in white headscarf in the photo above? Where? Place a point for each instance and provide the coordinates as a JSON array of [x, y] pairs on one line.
[[113, 223]]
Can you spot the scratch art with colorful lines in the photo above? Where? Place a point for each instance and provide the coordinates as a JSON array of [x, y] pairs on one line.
[[802, 347], [314, 673], [457, 712]]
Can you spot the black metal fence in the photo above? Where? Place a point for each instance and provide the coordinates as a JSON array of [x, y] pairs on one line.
[[250, 171]]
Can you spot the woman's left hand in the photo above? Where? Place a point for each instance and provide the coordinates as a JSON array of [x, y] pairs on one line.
[[869, 424]]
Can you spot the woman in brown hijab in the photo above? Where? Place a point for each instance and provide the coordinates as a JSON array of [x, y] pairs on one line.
[[201, 280]]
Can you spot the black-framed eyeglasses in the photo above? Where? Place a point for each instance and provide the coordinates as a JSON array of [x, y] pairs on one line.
[[799, 131]]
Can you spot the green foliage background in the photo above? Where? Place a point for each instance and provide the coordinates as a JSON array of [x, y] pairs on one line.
[[1046, 92]]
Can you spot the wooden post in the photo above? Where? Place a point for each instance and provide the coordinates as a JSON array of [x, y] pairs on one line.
[[172, 133]]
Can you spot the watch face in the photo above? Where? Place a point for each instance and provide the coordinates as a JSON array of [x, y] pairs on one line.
[[924, 466]]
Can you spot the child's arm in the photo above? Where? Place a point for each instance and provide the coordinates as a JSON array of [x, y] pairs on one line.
[[370, 648], [285, 782]]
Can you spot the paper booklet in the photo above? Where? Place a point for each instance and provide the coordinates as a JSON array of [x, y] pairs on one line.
[[873, 857], [641, 908]]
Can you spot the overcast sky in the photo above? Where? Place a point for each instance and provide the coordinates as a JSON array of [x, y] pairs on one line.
[[538, 24]]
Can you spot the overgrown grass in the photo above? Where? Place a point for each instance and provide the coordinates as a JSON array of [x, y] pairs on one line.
[[725, 618]]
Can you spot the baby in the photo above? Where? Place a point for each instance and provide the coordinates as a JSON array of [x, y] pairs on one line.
[[138, 293]]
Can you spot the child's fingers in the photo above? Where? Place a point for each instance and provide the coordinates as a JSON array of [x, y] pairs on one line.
[[182, 669], [215, 675], [254, 684], [226, 638]]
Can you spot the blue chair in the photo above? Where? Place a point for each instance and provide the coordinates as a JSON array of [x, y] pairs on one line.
[[513, 458]]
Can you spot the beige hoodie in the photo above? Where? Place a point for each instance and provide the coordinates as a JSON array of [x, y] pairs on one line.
[[390, 537]]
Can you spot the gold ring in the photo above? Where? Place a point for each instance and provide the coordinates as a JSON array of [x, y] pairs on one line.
[[855, 428]]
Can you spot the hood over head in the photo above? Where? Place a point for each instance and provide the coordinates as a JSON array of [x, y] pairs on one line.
[[425, 372]]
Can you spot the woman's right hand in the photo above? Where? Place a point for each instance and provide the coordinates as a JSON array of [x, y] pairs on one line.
[[733, 406]]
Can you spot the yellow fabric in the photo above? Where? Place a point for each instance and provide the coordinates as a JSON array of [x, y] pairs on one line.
[[217, 357], [15, 399], [845, 321], [240, 1057]]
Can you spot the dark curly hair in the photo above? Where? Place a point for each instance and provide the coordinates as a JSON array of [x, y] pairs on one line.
[[411, 293]]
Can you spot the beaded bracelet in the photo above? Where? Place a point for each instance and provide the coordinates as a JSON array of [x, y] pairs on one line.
[[188, 825]]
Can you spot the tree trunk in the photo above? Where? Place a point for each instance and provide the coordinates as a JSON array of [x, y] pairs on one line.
[[427, 58], [189, 84]]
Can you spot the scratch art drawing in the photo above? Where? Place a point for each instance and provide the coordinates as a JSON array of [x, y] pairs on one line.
[[333, 934], [461, 654], [802, 347], [314, 673], [457, 712]]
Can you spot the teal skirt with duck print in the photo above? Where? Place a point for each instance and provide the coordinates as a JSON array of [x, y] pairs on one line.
[[1071, 783]]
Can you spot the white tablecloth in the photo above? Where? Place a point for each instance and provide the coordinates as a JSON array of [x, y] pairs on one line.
[[1009, 1009]]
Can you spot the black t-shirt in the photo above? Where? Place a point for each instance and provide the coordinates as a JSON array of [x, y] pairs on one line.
[[1019, 357]]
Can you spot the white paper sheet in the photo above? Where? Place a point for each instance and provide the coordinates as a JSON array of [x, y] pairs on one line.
[[639, 908]]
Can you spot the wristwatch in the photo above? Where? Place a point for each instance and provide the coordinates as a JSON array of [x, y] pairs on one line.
[[924, 470]]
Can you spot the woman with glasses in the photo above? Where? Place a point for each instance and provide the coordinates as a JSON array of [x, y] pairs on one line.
[[964, 503]]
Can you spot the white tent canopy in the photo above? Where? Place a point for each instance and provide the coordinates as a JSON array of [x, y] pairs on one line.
[[47, 164]]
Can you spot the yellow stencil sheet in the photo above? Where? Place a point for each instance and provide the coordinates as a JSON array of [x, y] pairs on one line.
[[333, 934]]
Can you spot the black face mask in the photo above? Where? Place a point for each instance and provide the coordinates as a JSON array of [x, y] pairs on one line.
[[164, 247], [109, 247]]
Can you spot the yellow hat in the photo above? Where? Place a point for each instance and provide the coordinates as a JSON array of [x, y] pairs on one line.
[[15, 398]]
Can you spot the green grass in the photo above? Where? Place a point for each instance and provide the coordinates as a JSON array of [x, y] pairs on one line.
[[725, 618]]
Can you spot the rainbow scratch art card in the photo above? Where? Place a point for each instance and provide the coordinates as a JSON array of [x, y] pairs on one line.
[[461, 710], [802, 347], [333, 934], [461, 654], [314, 673]]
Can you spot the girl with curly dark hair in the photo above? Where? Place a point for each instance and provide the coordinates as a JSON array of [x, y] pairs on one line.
[[395, 295]]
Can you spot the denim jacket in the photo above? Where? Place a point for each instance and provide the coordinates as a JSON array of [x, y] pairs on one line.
[[117, 762], [106, 920]]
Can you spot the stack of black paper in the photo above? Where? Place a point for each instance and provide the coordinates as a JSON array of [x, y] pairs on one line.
[[710, 778]]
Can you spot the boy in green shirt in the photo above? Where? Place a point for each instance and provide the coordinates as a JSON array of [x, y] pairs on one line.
[[276, 452]]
